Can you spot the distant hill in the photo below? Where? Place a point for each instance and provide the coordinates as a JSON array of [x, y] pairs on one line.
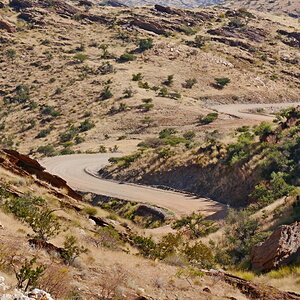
[[178, 3], [290, 7]]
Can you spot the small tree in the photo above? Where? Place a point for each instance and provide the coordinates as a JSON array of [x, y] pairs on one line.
[[71, 250], [44, 224], [27, 276]]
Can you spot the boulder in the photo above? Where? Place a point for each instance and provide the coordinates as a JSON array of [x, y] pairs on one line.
[[149, 26], [251, 289], [281, 248]]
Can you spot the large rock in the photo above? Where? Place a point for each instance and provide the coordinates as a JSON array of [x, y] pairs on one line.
[[281, 248]]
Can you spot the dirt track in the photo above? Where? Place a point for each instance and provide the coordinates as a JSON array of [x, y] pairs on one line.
[[79, 171], [242, 110]]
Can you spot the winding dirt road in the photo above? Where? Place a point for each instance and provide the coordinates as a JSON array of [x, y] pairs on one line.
[[79, 170], [242, 110]]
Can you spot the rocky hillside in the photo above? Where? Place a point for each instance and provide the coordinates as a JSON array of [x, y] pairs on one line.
[[55, 246], [176, 3], [239, 172], [280, 7], [110, 77]]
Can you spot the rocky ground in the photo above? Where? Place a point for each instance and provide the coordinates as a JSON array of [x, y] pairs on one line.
[[53, 76]]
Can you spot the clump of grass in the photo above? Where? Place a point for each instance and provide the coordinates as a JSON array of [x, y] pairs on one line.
[[91, 211], [247, 275], [284, 272]]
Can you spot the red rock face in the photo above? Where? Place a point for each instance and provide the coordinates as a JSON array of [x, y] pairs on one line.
[[281, 248], [25, 166]]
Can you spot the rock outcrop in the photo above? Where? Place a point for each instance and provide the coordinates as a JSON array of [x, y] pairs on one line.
[[25, 166], [251, 289], [281, 248]]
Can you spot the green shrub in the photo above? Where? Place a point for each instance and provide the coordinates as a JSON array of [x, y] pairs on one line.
[[209, 118], [199, 255], [71, 250], [22, 94], [126, 57], [147, 121], [189, 135], [196, 225], [47, 150], [91, 211], [137, 77], [221, 82], [188, 30], [144, 85], [163, 92], [108, 237], [263, 129], [80, 57], [173, 140], [198, 42], [106, 68], [236, 23], [35, 213], [165, 152], [106, 93], [189, 83], [169, 80], [128, 92], [11, 53], [167, 132], [145, 44], [43, 133], [68, 135], [50, 110], [27, 276], [102, 149], [86, 125]]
